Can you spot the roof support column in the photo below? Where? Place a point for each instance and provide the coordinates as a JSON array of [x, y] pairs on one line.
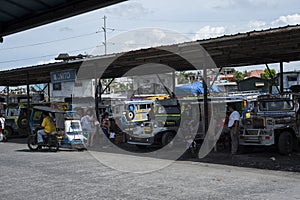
[[204, 83], [7, 96], [28, 94], [28, 101], [98, 97], [281, 77], [48, 85], [173, 81]]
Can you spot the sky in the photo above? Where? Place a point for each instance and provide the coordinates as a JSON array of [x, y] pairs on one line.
[[139, 24]]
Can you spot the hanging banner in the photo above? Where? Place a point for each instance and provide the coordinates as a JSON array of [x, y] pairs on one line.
[[63, 76]]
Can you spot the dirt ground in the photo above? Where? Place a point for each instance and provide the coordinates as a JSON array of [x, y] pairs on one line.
[[254, 157], [251, 157]]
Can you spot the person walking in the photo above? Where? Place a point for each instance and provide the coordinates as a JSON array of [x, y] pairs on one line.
[[233, 124]]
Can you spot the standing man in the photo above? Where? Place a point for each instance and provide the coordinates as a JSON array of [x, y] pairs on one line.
[[233, 124], [2, 126], [88, 126]]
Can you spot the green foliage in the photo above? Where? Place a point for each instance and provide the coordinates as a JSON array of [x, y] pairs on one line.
[[182, 78], [238, 76], [267, 75]]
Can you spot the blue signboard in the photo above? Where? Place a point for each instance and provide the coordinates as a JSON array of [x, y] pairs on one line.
[[63, 76]]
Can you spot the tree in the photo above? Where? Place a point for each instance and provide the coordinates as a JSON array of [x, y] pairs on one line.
[[238, 76], [270, 76], [182, 78], [267, 75]]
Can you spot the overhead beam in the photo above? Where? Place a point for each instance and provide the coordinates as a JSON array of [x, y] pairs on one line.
[[69, 9]]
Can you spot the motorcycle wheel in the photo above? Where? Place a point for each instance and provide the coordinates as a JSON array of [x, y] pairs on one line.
[[54, 145], [32, 143]]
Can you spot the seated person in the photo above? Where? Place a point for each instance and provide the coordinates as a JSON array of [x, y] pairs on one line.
[[47, 127]]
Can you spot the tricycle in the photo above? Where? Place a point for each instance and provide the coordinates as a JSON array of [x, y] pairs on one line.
[[68, 132]]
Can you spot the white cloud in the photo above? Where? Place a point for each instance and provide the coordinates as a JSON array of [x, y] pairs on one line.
[[159, 34], [129, 10], [144, 38], [210, 32], [230, 4], [257, 24], [65, 29], [287, 20]]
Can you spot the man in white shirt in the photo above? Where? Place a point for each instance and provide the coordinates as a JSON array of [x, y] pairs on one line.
[[87, 123], [2, 126], [233, 124]]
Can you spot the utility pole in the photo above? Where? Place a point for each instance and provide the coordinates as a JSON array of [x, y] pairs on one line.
[[104, 30]]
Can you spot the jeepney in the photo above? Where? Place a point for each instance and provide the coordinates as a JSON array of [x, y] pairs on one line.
[[275, 121], [159, 126]]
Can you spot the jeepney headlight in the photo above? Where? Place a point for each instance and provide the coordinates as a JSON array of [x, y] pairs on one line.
[[283, 120], [279, 121], [155, 125], [264, 133], [142, 124]]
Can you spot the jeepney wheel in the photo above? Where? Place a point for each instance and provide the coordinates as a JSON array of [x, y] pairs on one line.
[[7, 132], [23, 122], [167, 139], [285, 143], [141, 147]]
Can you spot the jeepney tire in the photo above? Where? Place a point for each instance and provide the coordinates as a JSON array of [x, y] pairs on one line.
[[167, 139], [296, 146], [23, 122], [141, 147], [8, 132], [285, 143]]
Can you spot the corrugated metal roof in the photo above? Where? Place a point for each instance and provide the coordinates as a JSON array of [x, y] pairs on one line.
[[257, 47]]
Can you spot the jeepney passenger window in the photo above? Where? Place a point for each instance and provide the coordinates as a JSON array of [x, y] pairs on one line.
[[143, 106], [37, 115]]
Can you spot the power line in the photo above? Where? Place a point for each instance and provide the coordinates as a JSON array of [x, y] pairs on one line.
[[23, 59], [44, 56], [169, 32], [178, 20], [88, 34], [51, 41]]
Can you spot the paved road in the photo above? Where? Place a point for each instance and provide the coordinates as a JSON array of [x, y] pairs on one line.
[[83, 175]]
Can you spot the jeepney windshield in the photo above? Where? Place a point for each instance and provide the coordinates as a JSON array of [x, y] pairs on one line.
[[12, 112], [276, 105]]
